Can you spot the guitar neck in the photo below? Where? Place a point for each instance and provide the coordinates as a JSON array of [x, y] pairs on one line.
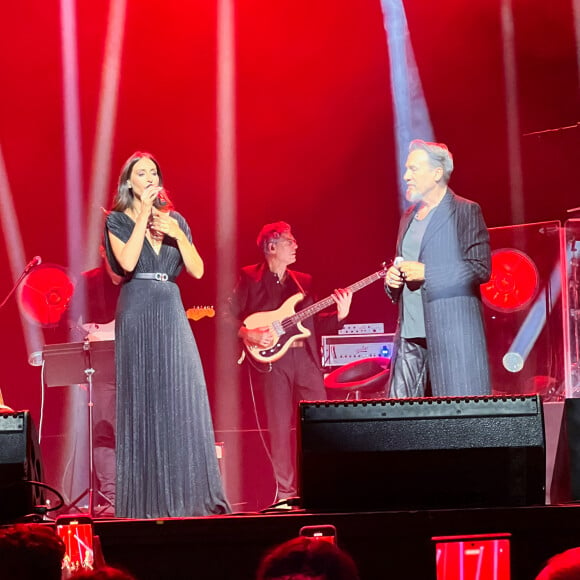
[[328, 301]]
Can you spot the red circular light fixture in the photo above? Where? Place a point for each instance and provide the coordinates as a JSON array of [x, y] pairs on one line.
[[514, 281], [45, 293]]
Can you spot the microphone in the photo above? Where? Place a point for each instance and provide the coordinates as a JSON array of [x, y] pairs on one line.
[[397, 262], [162, 198], [36, 261]]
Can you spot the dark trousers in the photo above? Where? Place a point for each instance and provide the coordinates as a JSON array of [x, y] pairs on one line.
[[410, 374], [295, 377]]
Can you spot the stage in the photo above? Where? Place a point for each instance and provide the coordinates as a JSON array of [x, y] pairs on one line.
[[384, 544], [500, 458]]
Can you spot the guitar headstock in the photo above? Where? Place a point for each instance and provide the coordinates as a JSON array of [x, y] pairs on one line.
[[200, 312]]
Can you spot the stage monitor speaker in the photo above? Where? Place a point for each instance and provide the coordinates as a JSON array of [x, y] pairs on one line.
[[427, 453], [572, 438], [20, 463]]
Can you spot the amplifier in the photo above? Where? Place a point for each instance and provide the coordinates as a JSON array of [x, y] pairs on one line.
[[20, 464], [366, 328], [342, 349]]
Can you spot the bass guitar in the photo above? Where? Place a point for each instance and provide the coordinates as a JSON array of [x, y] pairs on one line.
[[285, 323]]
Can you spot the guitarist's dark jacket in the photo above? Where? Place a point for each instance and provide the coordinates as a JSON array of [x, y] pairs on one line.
[[255, 292]]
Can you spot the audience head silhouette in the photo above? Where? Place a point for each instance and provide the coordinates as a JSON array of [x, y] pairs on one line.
[[564, 566], [30, 552], [307, 559]]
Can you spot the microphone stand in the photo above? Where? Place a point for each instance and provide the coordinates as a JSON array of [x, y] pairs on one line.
[[90, 490], [19, 281]]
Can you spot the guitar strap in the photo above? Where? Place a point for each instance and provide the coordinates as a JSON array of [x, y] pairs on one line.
[[293, 276]]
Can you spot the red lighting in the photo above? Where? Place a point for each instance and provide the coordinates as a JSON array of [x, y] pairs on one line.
[[45, 294], [514, 281]]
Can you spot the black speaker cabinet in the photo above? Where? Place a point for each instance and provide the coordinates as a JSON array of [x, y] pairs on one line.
[[572, 411], [20, 463], [396, 454]]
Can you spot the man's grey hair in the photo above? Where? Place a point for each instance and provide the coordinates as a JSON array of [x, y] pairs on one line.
[[438, 153], [271, 233]]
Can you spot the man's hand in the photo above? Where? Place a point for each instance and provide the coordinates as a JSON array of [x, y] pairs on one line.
[[343, 299], [393, 279], [412, 271], [262, 337]]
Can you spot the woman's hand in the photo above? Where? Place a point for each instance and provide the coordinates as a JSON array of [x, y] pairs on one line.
[[149, 196], [163, 222]]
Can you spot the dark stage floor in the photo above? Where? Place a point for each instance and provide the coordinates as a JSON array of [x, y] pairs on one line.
[[385, 545]]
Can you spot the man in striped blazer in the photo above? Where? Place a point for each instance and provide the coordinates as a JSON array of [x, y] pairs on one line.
[[443, 258]]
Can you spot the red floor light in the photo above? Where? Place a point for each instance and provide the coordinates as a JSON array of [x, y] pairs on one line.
[[45, 294], [514, 281]]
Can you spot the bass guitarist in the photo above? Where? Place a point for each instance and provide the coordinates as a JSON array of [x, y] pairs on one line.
[[295, 375]]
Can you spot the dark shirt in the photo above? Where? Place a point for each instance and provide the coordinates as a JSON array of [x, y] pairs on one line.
[[279, 291], [101, 296], [94, 301]]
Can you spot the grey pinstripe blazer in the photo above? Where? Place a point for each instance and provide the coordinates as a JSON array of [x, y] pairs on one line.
[[457, 257]]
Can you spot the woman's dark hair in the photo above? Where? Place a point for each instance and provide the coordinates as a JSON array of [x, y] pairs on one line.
[[124, 197]]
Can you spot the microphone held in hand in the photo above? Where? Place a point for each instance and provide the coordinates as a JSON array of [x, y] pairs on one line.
[[162, 200], [397, 262]]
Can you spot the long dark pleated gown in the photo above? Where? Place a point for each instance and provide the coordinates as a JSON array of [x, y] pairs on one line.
[[166, 458]]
